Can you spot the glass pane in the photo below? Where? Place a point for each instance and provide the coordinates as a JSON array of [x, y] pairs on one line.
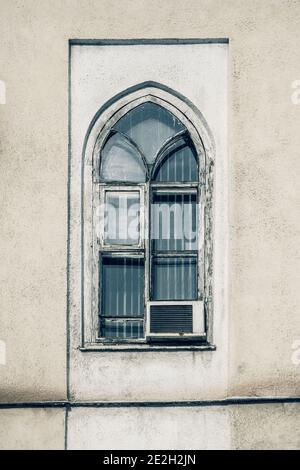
[[174, 222], [121, 161], [174, 278], [122, 287], [179, 164], [122, 214], [149, 126], [122, 329]]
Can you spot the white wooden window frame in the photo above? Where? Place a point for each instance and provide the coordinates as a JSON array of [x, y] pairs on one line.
[[111, 188]]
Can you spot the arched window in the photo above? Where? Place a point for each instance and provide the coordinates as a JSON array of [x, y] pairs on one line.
[[149, 207]]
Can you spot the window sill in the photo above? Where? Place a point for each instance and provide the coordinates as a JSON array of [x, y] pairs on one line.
[[145, 347]]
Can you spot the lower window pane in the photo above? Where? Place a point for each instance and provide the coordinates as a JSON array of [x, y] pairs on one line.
[[122, 290], [122, 329], [174, 278]]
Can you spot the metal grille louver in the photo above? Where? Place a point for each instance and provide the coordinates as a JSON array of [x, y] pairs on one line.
[[171, 319]]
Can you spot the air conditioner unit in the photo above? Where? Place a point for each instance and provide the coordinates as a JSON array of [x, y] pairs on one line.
[[178, 320]]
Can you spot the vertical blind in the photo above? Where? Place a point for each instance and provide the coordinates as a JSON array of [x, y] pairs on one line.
[[178, 163], [123, 287], [122, 296], [174, 222], [174, 278], [122, 329], [174, 229]]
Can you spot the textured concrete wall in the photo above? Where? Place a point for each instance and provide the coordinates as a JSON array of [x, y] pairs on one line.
[[272, 426], [32, 429], [269, 426], [264, 193]]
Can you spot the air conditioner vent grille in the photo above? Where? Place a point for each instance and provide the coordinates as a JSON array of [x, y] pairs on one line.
[[171, 318]]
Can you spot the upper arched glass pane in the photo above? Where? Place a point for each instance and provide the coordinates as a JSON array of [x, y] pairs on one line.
[[178, 163], [121, 161], [149, 126]]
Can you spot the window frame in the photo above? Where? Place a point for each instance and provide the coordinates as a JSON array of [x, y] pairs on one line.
[[116, 188], [90, 321]]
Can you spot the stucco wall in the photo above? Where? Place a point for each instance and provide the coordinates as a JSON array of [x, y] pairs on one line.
[[264, 193], [32, 429], [260, 426]]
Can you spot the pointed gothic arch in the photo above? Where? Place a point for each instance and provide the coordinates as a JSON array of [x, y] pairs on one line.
[[99, 132]]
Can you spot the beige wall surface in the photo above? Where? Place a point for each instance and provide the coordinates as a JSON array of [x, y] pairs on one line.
[[272, 426], [262, 426], [32, 429], [264, 192]]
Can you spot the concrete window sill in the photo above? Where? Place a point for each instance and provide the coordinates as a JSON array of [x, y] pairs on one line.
[[134, 347]]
